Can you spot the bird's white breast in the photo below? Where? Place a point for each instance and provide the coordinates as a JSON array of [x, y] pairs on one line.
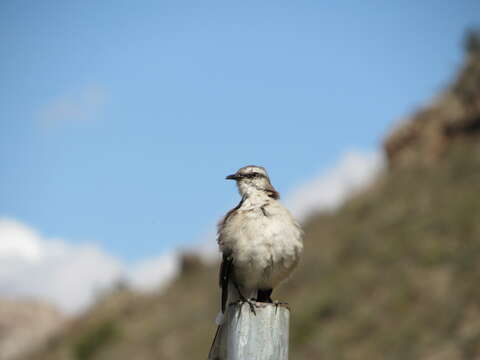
[[265, 244]]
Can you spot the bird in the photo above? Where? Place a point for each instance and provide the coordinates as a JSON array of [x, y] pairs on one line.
[[261, 244]]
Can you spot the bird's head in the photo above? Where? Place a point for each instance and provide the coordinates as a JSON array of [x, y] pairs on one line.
[[252, 179]]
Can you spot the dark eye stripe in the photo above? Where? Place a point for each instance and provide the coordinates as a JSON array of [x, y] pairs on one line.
[[253, 175]]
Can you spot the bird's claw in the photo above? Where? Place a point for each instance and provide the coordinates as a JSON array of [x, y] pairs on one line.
[[280, 303], [251, 304]]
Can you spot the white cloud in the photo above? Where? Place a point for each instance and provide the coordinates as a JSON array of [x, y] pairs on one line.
[[154, 273], [83, 105], [328, 190], [206, 247], [67, 275], [18, 242]]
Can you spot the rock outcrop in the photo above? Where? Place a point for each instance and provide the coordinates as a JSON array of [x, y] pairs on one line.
[[454, 115]]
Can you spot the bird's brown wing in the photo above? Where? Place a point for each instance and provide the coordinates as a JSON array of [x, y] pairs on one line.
[[226, 268], [225, 274]]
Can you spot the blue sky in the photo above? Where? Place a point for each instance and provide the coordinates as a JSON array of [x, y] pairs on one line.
[[120, 119]]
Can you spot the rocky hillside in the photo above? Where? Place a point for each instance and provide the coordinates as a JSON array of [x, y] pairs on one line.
[[393, 274], [25, 325], [454, 114]]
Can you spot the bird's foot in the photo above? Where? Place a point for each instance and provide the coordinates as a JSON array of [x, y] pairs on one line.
[[251, 303], [280, 303]]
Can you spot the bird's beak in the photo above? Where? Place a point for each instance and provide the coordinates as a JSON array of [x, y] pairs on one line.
[[232, 177]]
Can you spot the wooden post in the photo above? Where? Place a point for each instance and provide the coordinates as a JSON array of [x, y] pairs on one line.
[[260, 336]]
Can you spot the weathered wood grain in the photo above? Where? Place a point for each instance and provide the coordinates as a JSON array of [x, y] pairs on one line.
[[260, 336]]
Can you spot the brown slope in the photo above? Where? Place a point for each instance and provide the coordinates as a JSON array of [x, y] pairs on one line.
[[25, 325]]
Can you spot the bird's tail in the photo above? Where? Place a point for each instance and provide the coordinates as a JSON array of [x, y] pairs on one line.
[[217, 348]]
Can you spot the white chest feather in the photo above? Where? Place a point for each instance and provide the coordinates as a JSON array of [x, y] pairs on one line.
[[265, 243]]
